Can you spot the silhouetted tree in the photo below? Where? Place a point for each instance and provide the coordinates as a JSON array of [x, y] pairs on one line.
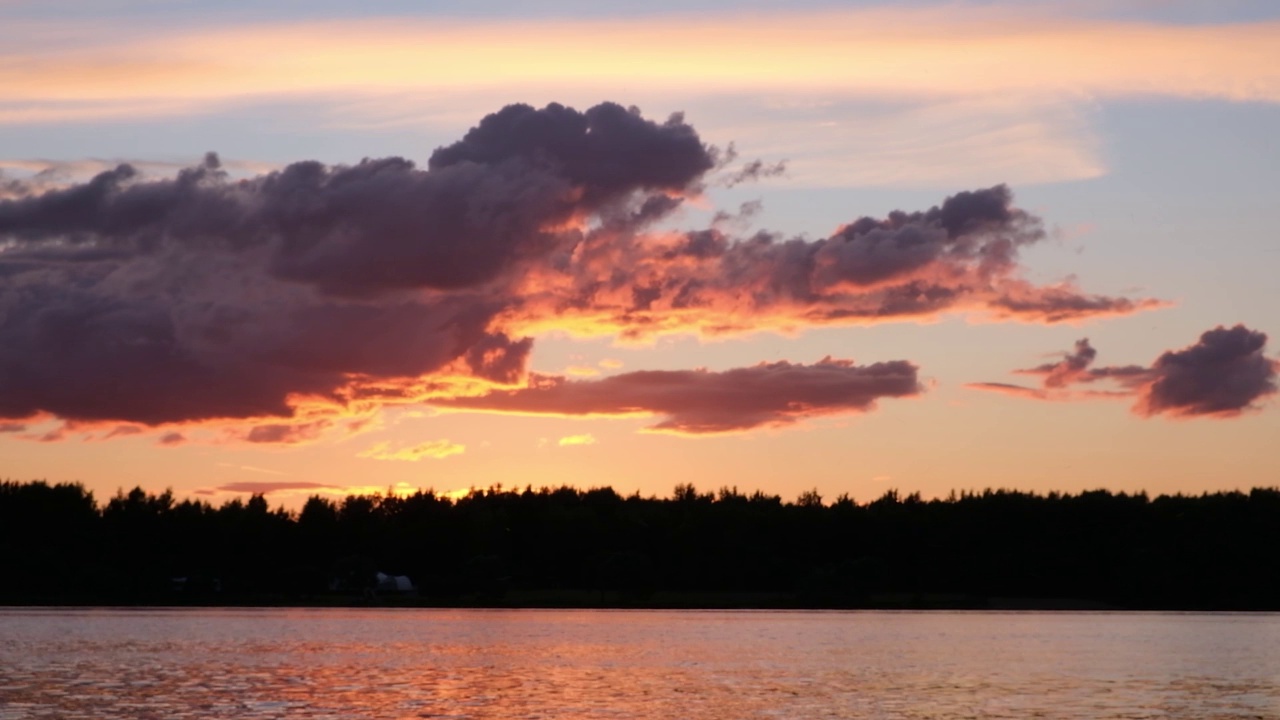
[[973, 548]]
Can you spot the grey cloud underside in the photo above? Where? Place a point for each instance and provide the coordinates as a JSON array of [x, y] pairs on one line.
[[199, 296], [701, 402]]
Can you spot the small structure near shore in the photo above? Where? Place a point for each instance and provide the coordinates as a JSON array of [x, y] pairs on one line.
[[394, 584]]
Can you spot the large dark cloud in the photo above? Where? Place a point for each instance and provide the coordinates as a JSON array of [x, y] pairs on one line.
[[202, 335], [607, 151], [485, 203], [1221, 375], [200, 296], [701, 402]]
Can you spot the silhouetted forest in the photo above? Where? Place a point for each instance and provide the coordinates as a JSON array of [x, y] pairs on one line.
[[563, 546]]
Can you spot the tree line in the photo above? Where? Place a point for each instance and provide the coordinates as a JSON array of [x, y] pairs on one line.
[[568, 546]]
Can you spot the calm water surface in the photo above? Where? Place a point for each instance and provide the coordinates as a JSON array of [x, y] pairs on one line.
[[204, 663]]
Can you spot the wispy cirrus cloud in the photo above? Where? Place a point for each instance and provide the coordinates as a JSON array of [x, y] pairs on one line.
[[253, 469], [268, 487], [927, 96], [1223, 374], [941, 51]]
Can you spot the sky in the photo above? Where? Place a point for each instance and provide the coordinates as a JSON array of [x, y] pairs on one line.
[[310, 248]]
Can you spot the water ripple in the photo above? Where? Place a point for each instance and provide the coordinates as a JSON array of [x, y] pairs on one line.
[[315, 664]]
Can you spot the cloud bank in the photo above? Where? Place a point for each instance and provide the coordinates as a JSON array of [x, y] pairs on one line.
[[698, 402], [333, 289], [1223, 374]]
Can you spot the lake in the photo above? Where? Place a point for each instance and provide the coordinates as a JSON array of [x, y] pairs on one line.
[[340, 663]]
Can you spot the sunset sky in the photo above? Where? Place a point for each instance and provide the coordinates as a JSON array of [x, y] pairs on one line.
[[852, 246]]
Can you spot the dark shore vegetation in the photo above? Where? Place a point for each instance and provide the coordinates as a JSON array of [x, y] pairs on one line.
[[570, 547]]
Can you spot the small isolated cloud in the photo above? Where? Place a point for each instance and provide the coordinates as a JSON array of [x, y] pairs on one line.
[[434, 449], [610, 364], [57, 434], [124, 430], [584, 439], [286, 434], [1223, 374], [172, 438], [1010, 389], [755, 170], [581, 371], [700, 402], [251, 468]]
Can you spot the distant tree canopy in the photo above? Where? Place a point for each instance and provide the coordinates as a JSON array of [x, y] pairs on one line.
[[593, 546]]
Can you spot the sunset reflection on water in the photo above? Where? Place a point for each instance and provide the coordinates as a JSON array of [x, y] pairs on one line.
[[210, 663]]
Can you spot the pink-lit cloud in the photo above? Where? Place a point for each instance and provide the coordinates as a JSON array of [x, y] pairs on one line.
[[200, 297], [961, 256], [307, 297]]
